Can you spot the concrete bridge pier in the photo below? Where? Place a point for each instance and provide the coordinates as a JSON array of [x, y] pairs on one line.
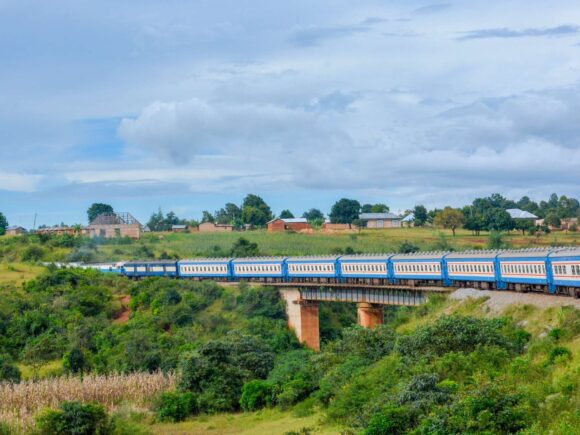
[[302, 318], [369, 315]]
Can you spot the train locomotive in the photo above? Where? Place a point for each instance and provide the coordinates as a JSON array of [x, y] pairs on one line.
[[548, 270]]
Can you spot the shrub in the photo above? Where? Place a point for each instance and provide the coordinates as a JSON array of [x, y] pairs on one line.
[[8, 372], [255, 395], [33, 253], [407, 247], [391, 420], [75, 418], [559, 353], [174, 406]]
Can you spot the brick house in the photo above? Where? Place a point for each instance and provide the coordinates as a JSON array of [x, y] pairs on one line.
[[294, 224]]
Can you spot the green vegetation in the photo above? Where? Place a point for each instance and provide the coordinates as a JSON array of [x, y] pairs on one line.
[[445, 367]]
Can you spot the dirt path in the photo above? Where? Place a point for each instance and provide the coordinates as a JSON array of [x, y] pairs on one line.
[[499, 300], [123, 315]]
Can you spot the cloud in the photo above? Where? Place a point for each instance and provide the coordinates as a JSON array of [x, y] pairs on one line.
[[19, 182], [432, 9], [504, 32], [315, 35]]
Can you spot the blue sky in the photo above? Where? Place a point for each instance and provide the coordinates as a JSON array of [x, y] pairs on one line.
[[186, 105]]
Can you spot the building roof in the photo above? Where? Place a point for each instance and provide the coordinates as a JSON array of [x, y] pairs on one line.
[[409, 218], [516, 213], [121, 218], [178, 227], [15, 228], [291, 220], [369, 216]]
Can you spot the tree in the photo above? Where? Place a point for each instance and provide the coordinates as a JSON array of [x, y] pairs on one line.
[[3, 224], [345, 211], [207, 217], [156, 221], [475, 223], [500, 220], [255, 211], [313, 215], [286, 214], [449, 218], [553, 220], [524, 225], [420, 213], [97, 209], [375, 208], [244, 248], [230, 214]]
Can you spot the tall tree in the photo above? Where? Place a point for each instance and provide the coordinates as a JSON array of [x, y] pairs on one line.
[[3, 224], [230, 214], [420, 213], [207, 217], [155, 222], [375, 208], [98, 208], [449, 218], [344, 211], [255, 211], [286, 214], [313, 215]]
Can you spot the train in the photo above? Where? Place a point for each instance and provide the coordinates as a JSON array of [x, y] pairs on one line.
[[547, 270]]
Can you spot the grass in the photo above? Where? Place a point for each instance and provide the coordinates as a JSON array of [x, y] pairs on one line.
[[264, 422], [320, 243], [17, 273]]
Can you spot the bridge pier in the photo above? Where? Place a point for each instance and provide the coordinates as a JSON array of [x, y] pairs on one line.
[[369, 315], [302, 318]]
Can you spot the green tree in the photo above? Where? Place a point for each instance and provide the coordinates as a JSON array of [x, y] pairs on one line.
[[156, 221], [552, 219], [286, 214], [255, 211], [8, 371], [500, 220], [524, 225], [420, 213], [449, 218], [230, 214], [313, 215], [374, 208], [98, 208], [3, 224], [207, 217], [75, 418], [344, 211]]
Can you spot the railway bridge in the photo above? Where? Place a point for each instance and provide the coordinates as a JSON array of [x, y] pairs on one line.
[[302, 301]]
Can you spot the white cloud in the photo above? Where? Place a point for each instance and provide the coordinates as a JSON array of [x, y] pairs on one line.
[[19, 182]]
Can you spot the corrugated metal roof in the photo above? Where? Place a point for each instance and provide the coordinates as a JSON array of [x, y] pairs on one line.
[[291, 220], [409, 218], [367, 216], [516, 213]]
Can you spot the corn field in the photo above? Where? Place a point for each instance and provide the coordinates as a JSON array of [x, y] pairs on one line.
[[20, 402]]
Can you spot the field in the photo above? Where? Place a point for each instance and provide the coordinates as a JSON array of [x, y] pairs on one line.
[[319, 243]]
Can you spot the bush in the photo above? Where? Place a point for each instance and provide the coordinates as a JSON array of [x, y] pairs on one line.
[[391, 420], [560, 353], [33, 253], [255, 395], [174, 406], [407, 247], [8, 371], [75, 418]]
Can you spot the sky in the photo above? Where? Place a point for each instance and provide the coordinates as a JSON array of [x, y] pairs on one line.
[[187, 105]]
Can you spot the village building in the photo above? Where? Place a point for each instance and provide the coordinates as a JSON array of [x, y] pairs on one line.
[[409, 220], [62, 230], [516, 213], [179, 228], [210, 227], [329, 226], [293, 224], [15, 231], [110, 225], [381, 220]]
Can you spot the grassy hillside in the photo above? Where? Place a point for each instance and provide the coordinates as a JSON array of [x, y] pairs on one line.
[[168, 245], [449, 366]]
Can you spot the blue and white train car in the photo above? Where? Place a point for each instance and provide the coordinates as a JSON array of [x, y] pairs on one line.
[[116, 268], [525, 269], [565, 269], [426, 266], [365, 268], [268, 269], [473, 268], [144, 269], [205, 268], [314, 269]]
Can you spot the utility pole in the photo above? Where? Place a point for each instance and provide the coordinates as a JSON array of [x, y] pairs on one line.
[[34, 224]]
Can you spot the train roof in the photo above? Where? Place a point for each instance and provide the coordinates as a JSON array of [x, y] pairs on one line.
[[481, 253], [566, 252], [314, 258], [526, 253], [420, 256], [131, 263], [366, 257], [258, 259], [207, 260]]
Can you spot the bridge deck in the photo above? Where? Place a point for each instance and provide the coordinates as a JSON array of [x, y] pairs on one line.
[[318, 285]]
